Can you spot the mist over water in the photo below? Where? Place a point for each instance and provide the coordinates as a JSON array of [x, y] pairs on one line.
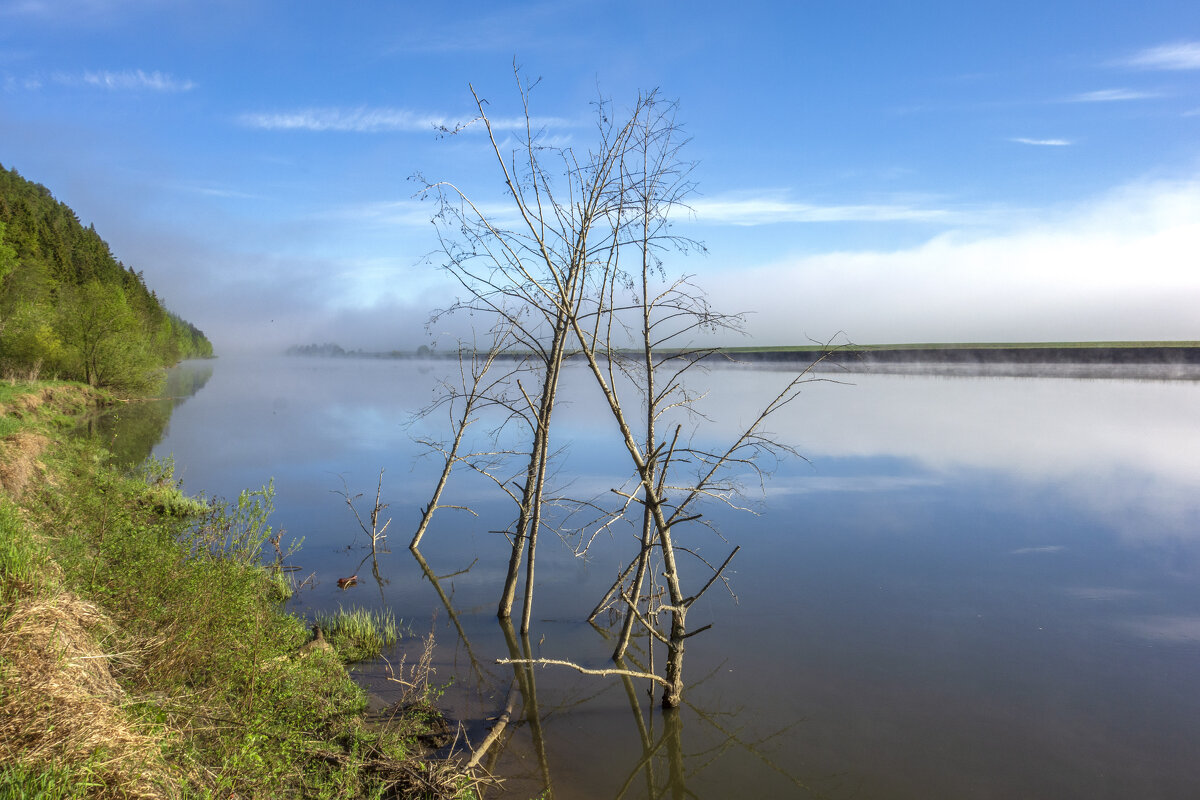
[[975, 587]]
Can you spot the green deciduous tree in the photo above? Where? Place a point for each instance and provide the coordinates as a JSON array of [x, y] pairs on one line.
[[101, 336]]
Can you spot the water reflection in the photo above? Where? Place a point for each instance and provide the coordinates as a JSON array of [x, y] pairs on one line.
[[131, 431], [515, 733], [976, 587]]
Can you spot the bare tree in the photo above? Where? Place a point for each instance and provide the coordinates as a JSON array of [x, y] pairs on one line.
[[477, 389], [533, 275], [375, 532], [581, 269]]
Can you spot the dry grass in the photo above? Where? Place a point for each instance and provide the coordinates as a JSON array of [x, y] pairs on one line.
[[62, 704], [19, 460]]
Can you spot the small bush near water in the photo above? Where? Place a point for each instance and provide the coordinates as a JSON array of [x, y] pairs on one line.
[[142, 654]]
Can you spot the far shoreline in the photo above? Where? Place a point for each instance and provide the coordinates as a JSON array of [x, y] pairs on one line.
[[1030, 353]]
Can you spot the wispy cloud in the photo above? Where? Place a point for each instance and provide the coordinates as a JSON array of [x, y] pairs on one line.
[[767, 209], [12, 83], [216, 191], [1111, 96], [67, 9], [415, 213], [128, 80], [1042, 142], [1177, 55], [379, 120]]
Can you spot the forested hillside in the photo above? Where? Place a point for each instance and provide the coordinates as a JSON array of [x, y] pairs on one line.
[[69, 308]]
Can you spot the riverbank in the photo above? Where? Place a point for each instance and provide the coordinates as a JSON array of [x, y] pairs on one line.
[[144, 651]]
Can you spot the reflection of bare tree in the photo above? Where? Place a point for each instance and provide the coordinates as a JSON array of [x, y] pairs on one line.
[[666, 748], [754, 747], [523, 674], [522, 686], [436, 582], [380, 581], [665, 767]]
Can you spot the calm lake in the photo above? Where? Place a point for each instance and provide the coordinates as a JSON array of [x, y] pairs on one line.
[[975, 587]]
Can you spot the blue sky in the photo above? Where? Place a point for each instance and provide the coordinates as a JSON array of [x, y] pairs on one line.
[[897, 171]]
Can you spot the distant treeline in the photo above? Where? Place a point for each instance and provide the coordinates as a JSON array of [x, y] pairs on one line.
[[69, 308]]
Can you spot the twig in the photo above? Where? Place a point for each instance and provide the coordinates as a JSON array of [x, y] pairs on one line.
[[545, 662]]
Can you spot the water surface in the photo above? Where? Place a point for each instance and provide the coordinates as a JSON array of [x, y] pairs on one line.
[[975, 587]]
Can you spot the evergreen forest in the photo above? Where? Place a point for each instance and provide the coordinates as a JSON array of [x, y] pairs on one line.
[[70, 309]]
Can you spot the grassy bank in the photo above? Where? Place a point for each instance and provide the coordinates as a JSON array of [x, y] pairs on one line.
[[143, 649]]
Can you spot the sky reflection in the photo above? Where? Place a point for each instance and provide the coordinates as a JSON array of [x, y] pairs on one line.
[[970, 578]]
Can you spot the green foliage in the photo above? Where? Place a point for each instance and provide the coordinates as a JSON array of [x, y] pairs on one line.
[[101, 337], [238, 533], [164, 493], [30, 338], [68, 307], [8, 255]]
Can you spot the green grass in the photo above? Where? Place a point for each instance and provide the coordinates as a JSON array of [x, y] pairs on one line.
[[358, 633], [170, 609], [21, 782], [10, 389]]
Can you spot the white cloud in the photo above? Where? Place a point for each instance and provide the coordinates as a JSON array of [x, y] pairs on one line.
[[774, 207], [1043, 142], [127, 80], [1111, 96], [1177, 55], [379, 120], [360, 120], [137, 79], [1119, 267]]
